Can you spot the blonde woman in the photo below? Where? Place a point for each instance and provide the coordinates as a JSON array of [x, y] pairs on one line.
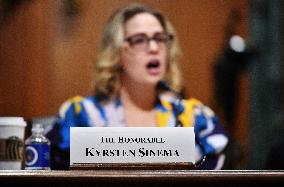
[[139, 48]]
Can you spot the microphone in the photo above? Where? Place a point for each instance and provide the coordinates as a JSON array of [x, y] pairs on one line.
[[162, 85]]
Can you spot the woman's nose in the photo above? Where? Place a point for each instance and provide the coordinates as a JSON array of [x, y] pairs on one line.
[[153, 46]]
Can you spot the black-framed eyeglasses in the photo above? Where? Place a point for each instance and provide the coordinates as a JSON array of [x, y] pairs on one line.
[[141, 41]]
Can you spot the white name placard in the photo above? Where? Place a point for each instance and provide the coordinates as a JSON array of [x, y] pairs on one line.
[[131, 145]]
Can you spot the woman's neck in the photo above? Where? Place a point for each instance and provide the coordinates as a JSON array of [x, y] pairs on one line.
[[138, 96]]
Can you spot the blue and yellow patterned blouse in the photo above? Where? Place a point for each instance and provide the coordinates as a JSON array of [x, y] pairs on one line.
[[89, 112]]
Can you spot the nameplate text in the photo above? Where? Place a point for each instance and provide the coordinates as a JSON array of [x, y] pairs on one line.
[[131, 145]]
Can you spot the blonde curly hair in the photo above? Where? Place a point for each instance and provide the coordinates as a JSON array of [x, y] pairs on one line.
[[107, 65]]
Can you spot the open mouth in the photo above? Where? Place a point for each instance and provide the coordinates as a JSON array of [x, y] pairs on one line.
[[153, 64], [153, 67]]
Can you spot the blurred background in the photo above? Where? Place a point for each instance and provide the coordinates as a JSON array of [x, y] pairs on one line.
[[231, 62]]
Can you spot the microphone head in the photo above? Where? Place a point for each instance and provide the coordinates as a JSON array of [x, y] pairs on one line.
[[162, 85]]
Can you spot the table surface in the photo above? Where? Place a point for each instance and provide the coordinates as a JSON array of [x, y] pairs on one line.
[[130, 177], [182, 174]]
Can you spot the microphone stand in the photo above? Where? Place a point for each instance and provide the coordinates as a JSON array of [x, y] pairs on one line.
[[164, 86], [178, 123]]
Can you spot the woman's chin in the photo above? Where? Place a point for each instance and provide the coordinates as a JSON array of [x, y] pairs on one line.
[[153, 81]]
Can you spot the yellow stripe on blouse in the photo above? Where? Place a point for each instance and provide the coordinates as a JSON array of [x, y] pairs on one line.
[[77, 100], [163, 117], [186, 117]]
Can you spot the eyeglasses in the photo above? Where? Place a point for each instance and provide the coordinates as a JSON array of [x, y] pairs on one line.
[[141, 41]]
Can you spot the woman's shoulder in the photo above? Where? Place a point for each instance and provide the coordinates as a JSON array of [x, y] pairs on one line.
[[172, 99], [78, 104], [199, 108], [190, 105], [75, 104]]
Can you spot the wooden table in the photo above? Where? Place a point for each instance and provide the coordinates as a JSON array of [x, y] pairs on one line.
[[138, 178]]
